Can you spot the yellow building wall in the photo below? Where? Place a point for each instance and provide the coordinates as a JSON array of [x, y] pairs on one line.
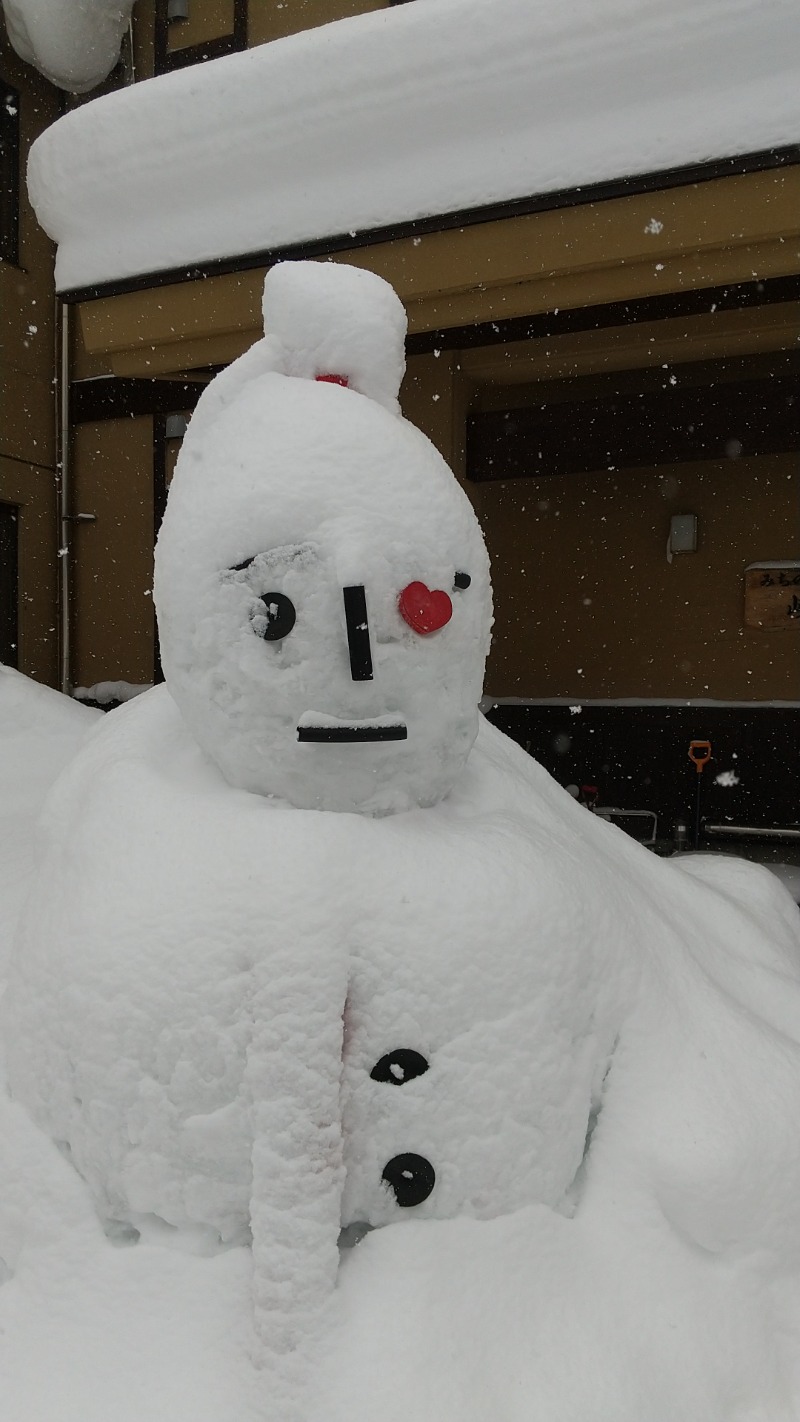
[[211, 19], [27, 395], [269, 21], [587, 605], [112, 562], [32, 489]]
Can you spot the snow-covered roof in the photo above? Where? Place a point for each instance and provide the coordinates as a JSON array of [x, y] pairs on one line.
[[405, 113], [74, 43]]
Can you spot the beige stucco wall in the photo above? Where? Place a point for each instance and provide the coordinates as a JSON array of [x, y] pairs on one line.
[[587, 604], [31, 488], [27, 397], [112, 563]]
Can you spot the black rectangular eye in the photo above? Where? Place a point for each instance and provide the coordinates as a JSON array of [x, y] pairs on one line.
[[355, 612]]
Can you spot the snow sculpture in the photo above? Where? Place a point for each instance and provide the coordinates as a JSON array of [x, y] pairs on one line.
[[177, 1009], [304, 510], [305, 959]]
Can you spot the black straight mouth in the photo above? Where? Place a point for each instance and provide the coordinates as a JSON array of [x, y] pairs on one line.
[[345, 735]]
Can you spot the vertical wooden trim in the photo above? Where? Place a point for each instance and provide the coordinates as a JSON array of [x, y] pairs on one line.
[[159, 505], [9, 584], [160, 33], [9, 173], [240, 24], [165, 59]]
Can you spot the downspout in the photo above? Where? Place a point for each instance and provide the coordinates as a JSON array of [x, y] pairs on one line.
[[63, 473]]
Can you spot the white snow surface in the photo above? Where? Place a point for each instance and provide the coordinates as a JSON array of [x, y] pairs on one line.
[[104, 692], [40, 731], [74, 43], [409, 112]]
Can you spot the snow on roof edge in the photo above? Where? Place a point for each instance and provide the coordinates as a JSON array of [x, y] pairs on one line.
[[324, 244], [405, 114]]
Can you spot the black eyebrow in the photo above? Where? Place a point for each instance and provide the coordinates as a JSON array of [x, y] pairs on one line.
[[282, 554]]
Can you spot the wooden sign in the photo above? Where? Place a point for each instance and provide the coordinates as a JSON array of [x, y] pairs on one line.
[[772, 596]]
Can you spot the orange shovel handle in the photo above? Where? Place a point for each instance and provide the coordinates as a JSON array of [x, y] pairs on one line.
[[699, 754]]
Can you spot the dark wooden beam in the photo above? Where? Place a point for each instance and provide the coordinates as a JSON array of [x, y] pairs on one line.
[[722, 420], [731, 297], [118, 398]]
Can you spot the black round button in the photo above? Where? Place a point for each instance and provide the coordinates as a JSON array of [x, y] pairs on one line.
[[412, 1178], [400, 1066], [281, 616], [462, 580]]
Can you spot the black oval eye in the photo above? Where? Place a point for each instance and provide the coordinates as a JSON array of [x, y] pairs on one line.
[[462, 580], [399, 1067], [280, 619], [412, 1178]]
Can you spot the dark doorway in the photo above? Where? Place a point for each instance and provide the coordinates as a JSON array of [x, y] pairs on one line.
[[9, 523]]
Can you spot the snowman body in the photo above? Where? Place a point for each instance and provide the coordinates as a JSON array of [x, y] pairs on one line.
[[239, 969], [300, 959]]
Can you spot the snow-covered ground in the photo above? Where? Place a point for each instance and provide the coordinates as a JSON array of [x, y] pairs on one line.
[[408, 112]]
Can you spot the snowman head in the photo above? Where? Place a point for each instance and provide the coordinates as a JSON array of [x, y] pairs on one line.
[[322, 584]]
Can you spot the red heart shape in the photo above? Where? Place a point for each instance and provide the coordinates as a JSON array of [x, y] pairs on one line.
[[425, 610]]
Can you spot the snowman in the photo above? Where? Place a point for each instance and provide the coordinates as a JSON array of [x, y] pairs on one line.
[[315, 949]]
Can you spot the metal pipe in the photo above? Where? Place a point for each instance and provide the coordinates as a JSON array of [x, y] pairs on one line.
[[63, 485], [751, 832], [128, 56]]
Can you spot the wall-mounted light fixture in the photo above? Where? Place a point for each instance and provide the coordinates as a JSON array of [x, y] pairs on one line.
[[682, 534], [175, 426], [177, 10]]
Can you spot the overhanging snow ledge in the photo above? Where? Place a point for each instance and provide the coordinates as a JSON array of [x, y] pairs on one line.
[[394, 117]]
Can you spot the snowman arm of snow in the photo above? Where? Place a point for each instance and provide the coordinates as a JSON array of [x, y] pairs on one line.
[[292, 1080]]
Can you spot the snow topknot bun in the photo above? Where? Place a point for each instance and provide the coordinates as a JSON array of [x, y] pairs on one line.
[[338, 320]]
